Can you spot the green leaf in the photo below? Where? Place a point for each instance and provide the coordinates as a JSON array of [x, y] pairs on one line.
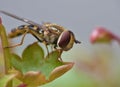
[[51, 62], [34, 79], [57, 72], [36, 69], [32, 58], [5, 79]]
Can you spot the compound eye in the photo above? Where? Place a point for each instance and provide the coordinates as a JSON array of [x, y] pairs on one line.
[[64, 39]]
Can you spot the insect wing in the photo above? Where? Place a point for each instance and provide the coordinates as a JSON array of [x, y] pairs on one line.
[[21, 19]]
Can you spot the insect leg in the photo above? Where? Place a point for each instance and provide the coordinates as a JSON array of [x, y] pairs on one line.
[[60, 51], [20, 42], [40, 38], [44, 42]]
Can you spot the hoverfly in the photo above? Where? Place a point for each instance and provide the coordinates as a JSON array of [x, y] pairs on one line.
[[47, 33]]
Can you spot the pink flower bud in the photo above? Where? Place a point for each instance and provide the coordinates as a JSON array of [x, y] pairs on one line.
[[102, 35]]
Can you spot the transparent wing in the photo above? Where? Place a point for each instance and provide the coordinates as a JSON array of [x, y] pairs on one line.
[[21, 19]]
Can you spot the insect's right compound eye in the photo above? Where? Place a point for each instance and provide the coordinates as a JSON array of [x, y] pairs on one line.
[[64, 39]]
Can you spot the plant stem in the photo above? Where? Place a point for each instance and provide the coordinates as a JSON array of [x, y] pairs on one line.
[[6, 51]]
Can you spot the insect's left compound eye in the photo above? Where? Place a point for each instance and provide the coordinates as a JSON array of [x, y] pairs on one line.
[[66, 40]]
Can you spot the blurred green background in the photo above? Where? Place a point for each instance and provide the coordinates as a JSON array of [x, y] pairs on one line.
[[95, 65]]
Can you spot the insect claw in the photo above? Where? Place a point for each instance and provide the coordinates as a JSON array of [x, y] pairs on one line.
[[60, 52]]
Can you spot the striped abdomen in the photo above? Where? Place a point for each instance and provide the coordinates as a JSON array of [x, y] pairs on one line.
[[20, 30]]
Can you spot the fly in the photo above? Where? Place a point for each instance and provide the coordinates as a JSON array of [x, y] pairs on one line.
[[47, 33]]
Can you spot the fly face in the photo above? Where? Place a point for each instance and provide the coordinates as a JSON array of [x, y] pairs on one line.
[[62, 38]]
